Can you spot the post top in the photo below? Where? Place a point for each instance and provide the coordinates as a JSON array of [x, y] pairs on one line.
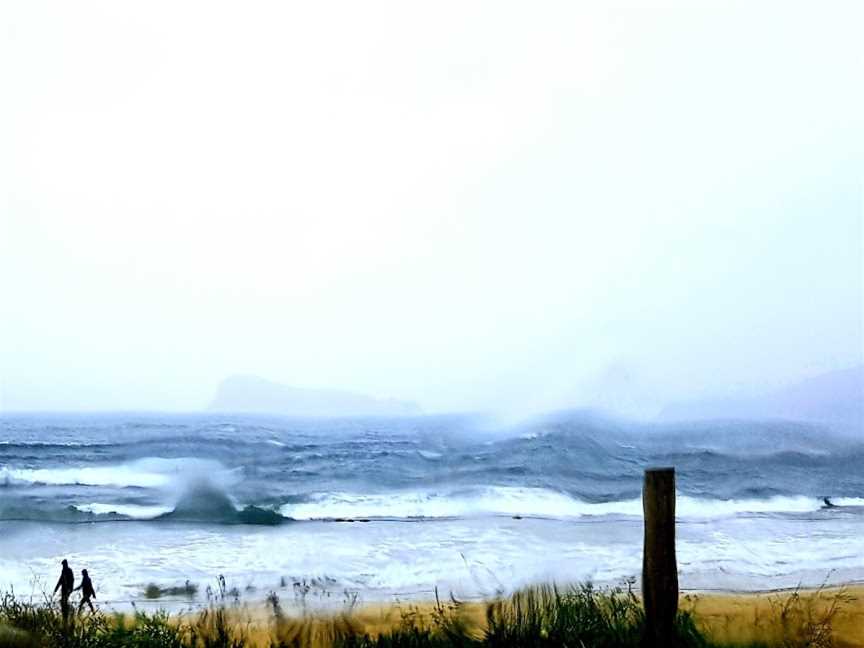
[[662, 469]]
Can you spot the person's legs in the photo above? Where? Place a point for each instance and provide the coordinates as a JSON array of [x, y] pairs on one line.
[[90, 603], [64, 607]]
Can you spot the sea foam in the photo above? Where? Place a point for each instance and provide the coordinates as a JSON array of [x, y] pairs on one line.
[[515, 501]]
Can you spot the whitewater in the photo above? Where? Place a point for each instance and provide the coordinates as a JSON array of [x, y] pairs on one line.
[[397, 507]]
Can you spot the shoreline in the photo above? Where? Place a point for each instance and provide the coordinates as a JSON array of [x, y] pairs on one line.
[[475, 559]]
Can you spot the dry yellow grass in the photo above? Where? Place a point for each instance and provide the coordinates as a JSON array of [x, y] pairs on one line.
[[768, 617], [319, 629], [776, 618]]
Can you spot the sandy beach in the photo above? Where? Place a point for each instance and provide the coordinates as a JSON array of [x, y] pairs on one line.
[[745, 618], [727, 618]]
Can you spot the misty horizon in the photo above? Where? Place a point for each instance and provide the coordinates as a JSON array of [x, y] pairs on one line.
[[835, 395], [477, 209]]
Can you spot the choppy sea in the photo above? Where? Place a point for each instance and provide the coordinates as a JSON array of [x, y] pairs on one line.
[[377, 508]]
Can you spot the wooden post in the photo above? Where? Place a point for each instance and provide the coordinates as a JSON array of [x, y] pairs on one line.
[[659, 567]]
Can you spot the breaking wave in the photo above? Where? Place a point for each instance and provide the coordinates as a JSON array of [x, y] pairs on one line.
[[525, 502], [205, 503], [132, 511], [201, 502], [208, 471], [155, 472]]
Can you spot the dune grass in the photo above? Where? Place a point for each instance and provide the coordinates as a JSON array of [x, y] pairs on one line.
[[542, 616], [818, 618]]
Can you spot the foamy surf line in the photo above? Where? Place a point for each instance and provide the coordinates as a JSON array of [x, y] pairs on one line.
[[430, 507], [535, 503], [132, 511], [182, 494], [532, 502]]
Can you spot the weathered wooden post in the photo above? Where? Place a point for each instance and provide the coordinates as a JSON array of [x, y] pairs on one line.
[[659, 567]]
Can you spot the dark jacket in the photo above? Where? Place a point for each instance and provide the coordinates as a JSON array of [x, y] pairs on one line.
[[86, 588], [65, 582]]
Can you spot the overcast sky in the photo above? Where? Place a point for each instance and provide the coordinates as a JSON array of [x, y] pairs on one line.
[[486, 205]]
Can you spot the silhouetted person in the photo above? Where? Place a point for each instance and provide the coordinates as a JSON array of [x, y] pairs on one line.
[[828, 503], [64, 584], [87, 591]]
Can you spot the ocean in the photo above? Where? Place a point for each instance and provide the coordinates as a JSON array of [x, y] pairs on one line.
[[377, 509]]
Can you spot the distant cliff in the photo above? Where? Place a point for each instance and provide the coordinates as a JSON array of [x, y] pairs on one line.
[[835, 398], [253, 394]]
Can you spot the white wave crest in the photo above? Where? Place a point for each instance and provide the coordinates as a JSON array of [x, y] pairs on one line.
[[154, 472], [529, 502], [136, 511], [492, 500], [848, 501], [692, 507]]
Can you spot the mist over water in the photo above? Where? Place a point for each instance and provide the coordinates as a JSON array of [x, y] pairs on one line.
[[559, 466], [499, 209]]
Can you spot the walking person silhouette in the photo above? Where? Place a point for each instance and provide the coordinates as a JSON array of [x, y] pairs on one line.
[[64, 584], [87, 591]]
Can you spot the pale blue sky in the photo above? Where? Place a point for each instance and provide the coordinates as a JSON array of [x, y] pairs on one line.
[[471, 205]]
